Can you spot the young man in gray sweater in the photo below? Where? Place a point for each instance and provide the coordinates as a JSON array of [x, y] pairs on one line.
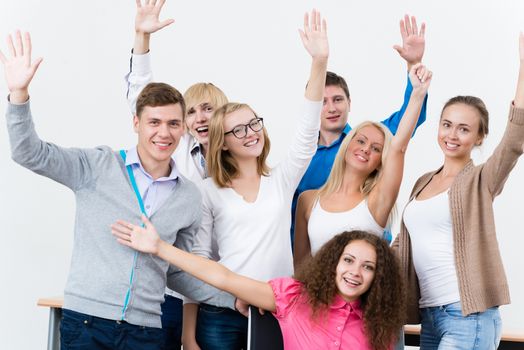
[[112, 297]]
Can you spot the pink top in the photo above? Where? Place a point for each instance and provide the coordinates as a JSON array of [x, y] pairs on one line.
[[342, 329]]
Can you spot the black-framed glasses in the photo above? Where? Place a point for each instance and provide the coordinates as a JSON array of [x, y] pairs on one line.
[[240, 131]]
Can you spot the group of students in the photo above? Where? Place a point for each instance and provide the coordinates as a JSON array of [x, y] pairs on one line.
[[195, 207]]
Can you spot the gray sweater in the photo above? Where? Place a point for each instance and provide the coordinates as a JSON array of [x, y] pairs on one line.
[[101, 269]]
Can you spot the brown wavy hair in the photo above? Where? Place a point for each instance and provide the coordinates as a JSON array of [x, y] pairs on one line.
[[383, 304], [221, 165]]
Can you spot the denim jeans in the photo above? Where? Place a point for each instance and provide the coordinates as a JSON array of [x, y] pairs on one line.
[[221, 328], [84, 332], [444, 327], [172, 322]]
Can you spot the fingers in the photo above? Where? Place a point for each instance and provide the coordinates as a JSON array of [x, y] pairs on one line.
[[165, 23], [261, 311], [422, 29], [306, 23], [403, 32], [324, 26], [145, 220], [138, 3], [2, 57], [407, 23], [27, 48], [414, 25], [18, 44], [399, 49], [11, 46]]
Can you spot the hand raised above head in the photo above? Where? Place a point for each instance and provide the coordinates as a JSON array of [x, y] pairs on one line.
[[19, 70], [413, 41], [314, 35], [147, 16]]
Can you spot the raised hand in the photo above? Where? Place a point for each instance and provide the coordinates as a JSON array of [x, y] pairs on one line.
[[413, 41], [19, 70], [314, 35], [144, 239], [147, 16], [420, 78]]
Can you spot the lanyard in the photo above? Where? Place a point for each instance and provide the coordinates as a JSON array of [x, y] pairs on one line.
[[135, 257]]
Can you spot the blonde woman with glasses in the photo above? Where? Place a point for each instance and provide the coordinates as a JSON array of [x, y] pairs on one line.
[[247, 205]]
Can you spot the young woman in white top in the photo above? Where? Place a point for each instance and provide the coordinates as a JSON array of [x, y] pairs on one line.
[[447, 243], [363, 185], [246, 205]]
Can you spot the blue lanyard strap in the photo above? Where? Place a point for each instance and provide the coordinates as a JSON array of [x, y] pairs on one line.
[[133, 182], [135, 256]]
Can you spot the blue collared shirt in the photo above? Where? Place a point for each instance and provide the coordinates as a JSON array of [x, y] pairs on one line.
[[153, 192], [320, 167]]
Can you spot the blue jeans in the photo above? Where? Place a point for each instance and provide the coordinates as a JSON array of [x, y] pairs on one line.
[[84, 332], [444, 327], [172, 322], [221, 328]]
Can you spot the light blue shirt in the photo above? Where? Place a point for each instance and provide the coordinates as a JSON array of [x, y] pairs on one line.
[[153, 192]]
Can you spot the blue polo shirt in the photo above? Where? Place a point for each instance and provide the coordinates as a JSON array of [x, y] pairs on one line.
[[318, 171]]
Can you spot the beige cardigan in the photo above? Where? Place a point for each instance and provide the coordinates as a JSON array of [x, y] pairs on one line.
[[480, 273]]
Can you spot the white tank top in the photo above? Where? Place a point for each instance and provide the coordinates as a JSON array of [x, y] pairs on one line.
[[431, 233], [323, 225]]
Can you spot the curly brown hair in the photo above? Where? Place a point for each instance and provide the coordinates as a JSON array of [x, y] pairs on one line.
[[383, 304]]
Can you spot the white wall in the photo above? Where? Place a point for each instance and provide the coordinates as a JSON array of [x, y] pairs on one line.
[[253, 52]]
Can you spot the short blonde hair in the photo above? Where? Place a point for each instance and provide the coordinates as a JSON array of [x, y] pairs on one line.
[[221, 164], [334, 181], [204, 92]]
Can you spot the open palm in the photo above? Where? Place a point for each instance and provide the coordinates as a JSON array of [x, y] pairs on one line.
[[147, 16]]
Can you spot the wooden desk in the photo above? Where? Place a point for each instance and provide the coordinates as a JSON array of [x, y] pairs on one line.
[[509, 341], [55, 313]]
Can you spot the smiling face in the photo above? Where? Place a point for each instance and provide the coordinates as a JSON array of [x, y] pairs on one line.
[[248, 147], [458, 131], [356, 270], [197, 121], [364, 151], [159, 130], [335, 109]]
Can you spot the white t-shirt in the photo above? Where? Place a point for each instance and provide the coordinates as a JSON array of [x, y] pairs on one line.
[[253, 238]]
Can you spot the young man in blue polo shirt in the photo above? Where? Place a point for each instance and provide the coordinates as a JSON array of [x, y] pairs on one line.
[[334, 124]]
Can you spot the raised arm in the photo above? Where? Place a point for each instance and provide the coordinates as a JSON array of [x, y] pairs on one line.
[[18, 67], [314, 38], [498, 166], [147, 21], [412, 51], [383, 196], [519, 93], [147, 240], [304, 146]]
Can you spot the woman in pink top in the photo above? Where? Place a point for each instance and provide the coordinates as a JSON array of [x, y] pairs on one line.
[[348, 296]]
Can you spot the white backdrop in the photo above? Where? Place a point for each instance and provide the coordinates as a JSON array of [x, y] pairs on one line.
[[253, 52]]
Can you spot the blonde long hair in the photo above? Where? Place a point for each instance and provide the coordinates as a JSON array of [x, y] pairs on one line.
[[221, 165], [336, 176]]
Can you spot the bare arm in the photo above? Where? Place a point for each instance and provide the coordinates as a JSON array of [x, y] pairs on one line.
[[189, 323], [147, 240], [302, 248], [383, 196]]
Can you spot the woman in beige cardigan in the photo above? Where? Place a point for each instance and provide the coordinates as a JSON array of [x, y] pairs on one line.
[[455, 292]]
